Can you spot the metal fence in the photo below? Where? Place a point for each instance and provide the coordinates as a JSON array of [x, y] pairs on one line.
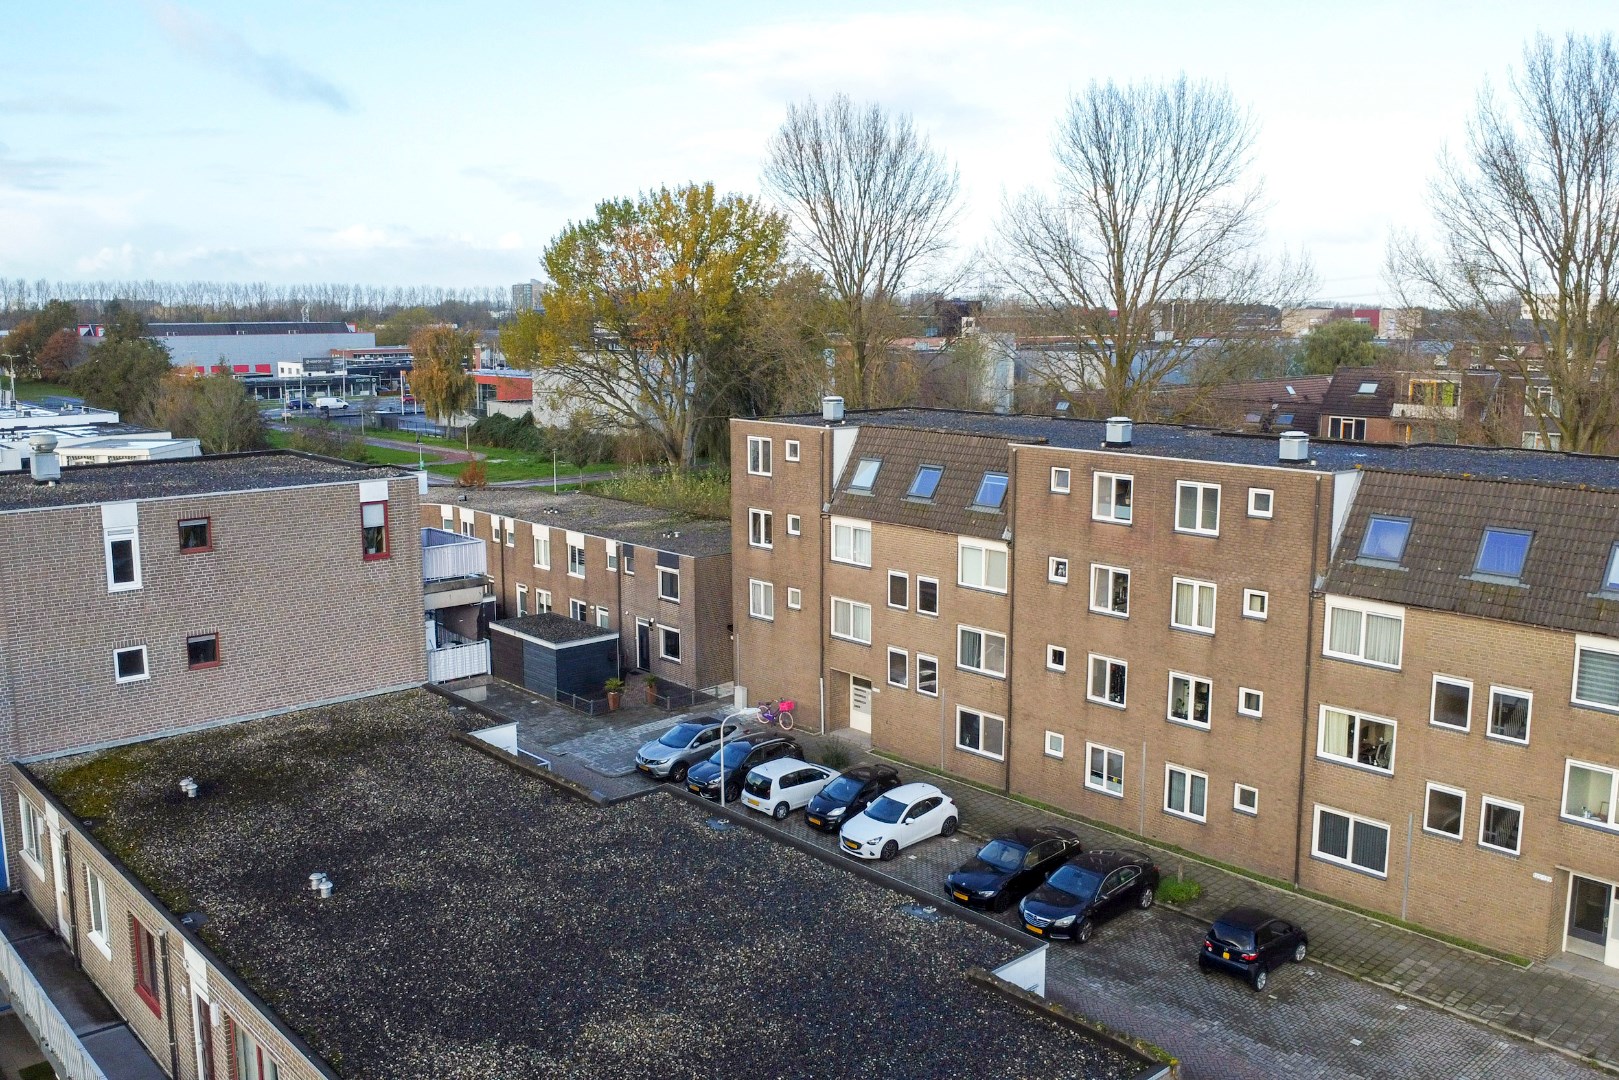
[[681, 697], [44, 1021], [458, 661]]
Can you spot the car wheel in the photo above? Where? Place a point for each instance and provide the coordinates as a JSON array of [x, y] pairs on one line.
[[678, 773], [1082, 932], [1144, 901], [1300, 953], [949, 826], [1261, 980], [780, 812], [890, 851], [1202, 962]]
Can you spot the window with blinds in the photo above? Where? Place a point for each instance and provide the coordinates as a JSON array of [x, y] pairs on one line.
[[1351, 840]]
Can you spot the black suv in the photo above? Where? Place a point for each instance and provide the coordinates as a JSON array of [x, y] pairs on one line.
[[1248, 942], [740, 755], [853, 791]]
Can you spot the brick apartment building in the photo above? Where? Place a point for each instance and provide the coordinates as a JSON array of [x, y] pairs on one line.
[[662, 581], [1185, 636]]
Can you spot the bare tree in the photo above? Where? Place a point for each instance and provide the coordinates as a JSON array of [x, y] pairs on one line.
[[1528, 225], [1145, 261], [873, 205]]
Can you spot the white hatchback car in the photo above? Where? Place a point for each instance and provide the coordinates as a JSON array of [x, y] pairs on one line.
[[904, 816], [779, 787]]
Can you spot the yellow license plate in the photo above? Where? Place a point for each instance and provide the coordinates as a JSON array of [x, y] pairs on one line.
[[959, 895], [694, 789], [1033, 929], [851, 845], [814, 821], [1225, 956]]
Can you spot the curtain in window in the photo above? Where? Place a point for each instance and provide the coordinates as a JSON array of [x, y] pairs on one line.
[[1338, 733], [1597, 677], [1186, 515], [1382, 639], [1371, 847], [1185, 602], [1205, 607], [972, 649], [1345, 632], [860, 616], [1332, 835], [1177, 790]]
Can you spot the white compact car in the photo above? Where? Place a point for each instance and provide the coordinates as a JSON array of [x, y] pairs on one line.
[[904, 816], [779, 787]]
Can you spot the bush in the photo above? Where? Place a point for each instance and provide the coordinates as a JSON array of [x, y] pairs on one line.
[[703, 493], [511, 433], [328, 440], [1178, 890], [473, 475], [835, 755]]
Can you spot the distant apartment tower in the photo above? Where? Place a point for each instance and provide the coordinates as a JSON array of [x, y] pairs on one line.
[[523, 294]]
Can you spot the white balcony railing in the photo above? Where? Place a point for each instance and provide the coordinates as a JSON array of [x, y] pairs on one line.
[[446, 556], [44, 1020], [458, 661], [1414, 411]]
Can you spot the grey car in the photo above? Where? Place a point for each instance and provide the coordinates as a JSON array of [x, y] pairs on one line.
[[668, 757]]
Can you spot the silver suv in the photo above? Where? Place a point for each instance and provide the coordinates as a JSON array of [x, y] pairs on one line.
[[689, 741]]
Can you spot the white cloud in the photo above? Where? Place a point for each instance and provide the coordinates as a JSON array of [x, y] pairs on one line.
[[205, 39]]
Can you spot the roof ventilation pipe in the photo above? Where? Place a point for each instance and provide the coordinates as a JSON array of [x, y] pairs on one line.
[[325, 888], [189, 786], [1294, 446], [44, 466], [315, 879], [1119, 430], [832, 409]]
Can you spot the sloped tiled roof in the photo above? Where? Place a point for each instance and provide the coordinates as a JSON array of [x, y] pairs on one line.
[[965, 460], [1345, 399], [1574, 531]]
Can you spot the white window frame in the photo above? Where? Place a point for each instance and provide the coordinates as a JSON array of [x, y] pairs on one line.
[[759, 455], [790, 450], [542, 547], [1062, 480], [95, 891], [1611, 821], [795, 525], [1090, 675], [983, 727], [1248, 611], [852, 607], [1091, 750], [795, 598], [1237, 803], [903, 576], [673, 572], [1170, 768], [922, 658], [1584, 643], [1433, 702], [932, 613], [1055, 744], [1355, 820], [761, 528], [1484, 804], [542, 601], [32, 848], [1363, 608], [1269, 497], [904, 667], [663, 641], [1112, 573], [1258, 710], [146, 665], [108, 538], [1528, 721], [522, 600], [1191, 682], [604, 618], [612, 556], [1112, 515], [1057, 570], [853, 529], [761, 600], [1357, 719], [1197, 591], [962, 629], [578, 610], [1203, 488], [1056, 658], [984, 550], [579, 561], [1461, 819]]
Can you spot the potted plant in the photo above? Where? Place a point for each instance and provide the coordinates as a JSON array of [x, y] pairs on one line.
[[651, 689], [615, 692]]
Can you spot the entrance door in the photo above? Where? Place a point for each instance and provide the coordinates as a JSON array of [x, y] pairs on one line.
[[64, 925], [201, 1020], [1589, 902], [860, 705], [643, 645]]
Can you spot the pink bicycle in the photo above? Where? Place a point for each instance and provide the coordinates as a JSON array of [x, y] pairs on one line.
[[778, 713]]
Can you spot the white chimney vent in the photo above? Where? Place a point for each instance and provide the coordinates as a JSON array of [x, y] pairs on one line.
[[189, 786], [832, 409], [1294, 446], [325, 888], [315, 879], [44, 466], [1119, 430]]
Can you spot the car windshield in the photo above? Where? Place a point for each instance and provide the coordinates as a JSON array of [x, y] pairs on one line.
[[885, 810], [844, 788], [1077, 881], [1002, 855], [1240, 936], [736, 753], [757, 785], [681, 735]]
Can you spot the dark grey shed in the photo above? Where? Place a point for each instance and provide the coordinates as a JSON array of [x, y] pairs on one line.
[[551, 653]]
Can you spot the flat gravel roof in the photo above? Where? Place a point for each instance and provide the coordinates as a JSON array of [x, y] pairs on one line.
[[631, 523], [486, 924], [83, 484]]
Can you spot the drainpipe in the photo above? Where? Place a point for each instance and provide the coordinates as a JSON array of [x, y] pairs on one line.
[[618, 605], [1011, 626], [168, 1001], [1309, 669], [72, 899], [820, 591]]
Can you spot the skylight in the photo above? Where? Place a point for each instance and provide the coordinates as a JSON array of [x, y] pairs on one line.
[[1501, 553], [1367, 388], [926, 482], [991, 491], [1610, 583], [1385, 539], [865, 474]]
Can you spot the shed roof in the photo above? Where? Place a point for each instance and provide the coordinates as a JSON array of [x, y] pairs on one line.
[[553, 627]]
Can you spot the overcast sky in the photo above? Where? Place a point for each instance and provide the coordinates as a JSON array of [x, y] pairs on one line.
[[430, 143]]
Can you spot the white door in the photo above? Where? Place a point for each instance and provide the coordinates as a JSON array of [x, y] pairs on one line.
[[860, 705], [64, 925]]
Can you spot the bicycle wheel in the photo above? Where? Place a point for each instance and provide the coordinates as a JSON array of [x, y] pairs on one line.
[[785, 720]]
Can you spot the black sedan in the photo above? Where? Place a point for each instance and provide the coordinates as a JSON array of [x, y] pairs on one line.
[[740, 755], [853, 791], [1087, 889], [1249, 942], [1006, 868]]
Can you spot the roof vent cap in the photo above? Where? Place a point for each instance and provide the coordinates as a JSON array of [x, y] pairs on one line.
[[44, 466], [832, 409], [1119, 430], [1294, 446], [189, 786]]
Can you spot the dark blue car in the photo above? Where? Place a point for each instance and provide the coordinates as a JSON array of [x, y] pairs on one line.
[[1087, 889]]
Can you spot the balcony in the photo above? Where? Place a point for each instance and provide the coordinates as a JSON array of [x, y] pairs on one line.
[[460, 660], [1411, 410], [447, 556]]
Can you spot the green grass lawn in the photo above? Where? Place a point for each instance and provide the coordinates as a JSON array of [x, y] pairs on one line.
[[506, 465], [32, 390]]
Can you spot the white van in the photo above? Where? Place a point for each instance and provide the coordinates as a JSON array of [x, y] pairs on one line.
[[334, 403], [779, 787]]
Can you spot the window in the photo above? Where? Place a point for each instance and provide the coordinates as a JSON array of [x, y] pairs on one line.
[[522, 600], [253, 1062], [851, 621], [374, 530], [795, 524], [576, 560], [1357, 630], [851, 542], [669, 643], [1509, 714], [1385, 539], [612, 553], [1057, 570], [578, 609], [927, 675], [129, 665], [1197, 508], [1596, 672], [495, 530], [795, 598], [761, 599], [927, 596], [1245, 799], [981, 565], [1186, 792], [899, 667], [1346, 427], [1251, 702], [1260, 501], [1255, 604], [1351, 841], [1452, 704], [1054, 744], [1367, 741], [196, 536], [33, 835], [791, 450], [511, 533], [1061, 479], [1110, 590], [468, 527], [925, 482], [143, 956], [865, 475], [981, 651], [1193, 607], [1105, 769], [1107, 681], [1610, 580], [1500, 825], [758, 455], [980, 733], [1369, 387], [1443, 811], [1110, 497], [542, 548], [202, 651], [96, 891], [1501, 554], [991, 491], [1590, 794], [669, 584], [1431, 392], [899, 590], [604, 618], [1189, 699], [542, 601], [447, 523], [759, 528], [1056, 658], [123, 560]]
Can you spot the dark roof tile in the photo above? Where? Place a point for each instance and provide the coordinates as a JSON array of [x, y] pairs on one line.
[[903, 452]]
